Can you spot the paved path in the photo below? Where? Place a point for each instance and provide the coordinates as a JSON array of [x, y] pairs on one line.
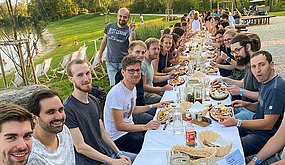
[[273, 40]]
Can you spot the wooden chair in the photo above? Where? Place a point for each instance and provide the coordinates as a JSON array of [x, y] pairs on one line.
[[46, 68], [98, 70], [16, 80], [62, 64]]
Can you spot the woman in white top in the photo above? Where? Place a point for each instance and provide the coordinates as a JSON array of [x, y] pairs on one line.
[[196, 22]]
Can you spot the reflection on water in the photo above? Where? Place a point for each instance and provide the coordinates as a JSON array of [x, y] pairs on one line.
[[9, 66]]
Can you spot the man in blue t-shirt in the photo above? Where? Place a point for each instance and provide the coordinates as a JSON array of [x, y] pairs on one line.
[[269, 108], [117, 37]]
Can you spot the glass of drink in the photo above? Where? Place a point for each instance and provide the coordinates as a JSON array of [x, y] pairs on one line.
[[198, 94], [177, 122]]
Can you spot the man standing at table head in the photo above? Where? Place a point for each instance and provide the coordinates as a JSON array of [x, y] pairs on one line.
[[16, 126], [92, 143], [117, 37], [121, 105], [153, 94], [269, 108], [52, 142]]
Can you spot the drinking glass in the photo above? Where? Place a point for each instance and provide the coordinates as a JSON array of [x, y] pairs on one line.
[[177, 122]]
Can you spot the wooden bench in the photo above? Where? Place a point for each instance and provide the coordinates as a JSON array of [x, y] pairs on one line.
[[256, 20], [241, 27]]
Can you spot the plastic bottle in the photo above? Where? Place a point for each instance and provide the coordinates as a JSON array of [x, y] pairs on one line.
[[190, 133]]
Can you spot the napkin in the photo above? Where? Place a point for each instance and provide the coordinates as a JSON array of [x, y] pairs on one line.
[[221, 142], [197, 107]]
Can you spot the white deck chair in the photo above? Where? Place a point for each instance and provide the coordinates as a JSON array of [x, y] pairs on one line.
[[97, 70], [82, 53], [74, 55], [61, 66], [17, 79], [63, 62], [47, 67], [39, 71]]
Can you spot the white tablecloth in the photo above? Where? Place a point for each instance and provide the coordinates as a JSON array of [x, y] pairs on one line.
[[158, 142]]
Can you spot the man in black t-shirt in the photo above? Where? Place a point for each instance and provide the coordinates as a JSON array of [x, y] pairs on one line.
[[92, 143]]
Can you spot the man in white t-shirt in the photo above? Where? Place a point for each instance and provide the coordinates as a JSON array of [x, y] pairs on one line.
[[121, 105], [52, 142]]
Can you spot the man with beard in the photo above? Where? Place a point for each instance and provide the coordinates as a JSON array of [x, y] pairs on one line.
[[52, 142], [242, 47], [92, 143], [152, 93], [117, 37], [120, 106], [269, 108], [16, 126]]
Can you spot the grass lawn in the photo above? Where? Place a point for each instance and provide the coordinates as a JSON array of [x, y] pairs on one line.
[[279, 13], [84, 29]]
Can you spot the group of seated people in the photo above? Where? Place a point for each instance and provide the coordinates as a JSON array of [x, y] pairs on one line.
[[54, 131]]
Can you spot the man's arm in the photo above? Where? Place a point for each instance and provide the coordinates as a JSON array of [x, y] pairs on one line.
[[120, 125], [274, 145], [141, 109], [235, 90], [258, 124], [107, 139], [228, 81], [152, 89], [84, 149], [102, 48]]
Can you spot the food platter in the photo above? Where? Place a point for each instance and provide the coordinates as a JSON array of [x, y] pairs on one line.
[[218, 93], [211, 70], [211, 55], [176, 81], [163, 116], [220, 110]]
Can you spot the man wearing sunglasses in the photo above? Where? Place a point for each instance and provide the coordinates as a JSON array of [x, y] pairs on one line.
[[121, 105]]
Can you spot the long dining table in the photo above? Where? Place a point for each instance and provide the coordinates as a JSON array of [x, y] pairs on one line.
[[158, 142]]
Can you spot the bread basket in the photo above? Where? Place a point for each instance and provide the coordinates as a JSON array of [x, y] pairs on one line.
[[196, 154], [206, 139]]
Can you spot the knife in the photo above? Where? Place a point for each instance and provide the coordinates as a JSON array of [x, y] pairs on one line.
[[167, 122]]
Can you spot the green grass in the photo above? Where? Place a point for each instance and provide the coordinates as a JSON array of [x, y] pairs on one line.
[[279, 13], [84, 29]]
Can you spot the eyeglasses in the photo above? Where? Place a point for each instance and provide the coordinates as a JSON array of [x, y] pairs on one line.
[[236, 51], [132, 71], [228, 39]]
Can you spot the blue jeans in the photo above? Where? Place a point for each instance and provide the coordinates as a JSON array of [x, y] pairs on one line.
[[112, 69], [251, 142], [243, 114], [132, 156]]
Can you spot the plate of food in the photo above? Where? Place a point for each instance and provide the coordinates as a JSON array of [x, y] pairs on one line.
[[218, 93], [163, 116], [211, 70], [184, 63], [211, 55], [220, 110], [176, 81]]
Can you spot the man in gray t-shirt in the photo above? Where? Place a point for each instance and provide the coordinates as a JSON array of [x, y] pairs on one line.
[[52, 142], [117, 37]]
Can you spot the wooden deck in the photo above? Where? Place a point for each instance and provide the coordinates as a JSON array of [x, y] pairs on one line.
[[257, 20]]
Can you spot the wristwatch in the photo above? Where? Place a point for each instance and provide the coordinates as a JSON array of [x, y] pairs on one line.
[[256, 160], [241, 92], [228, 59], [239, 122]]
